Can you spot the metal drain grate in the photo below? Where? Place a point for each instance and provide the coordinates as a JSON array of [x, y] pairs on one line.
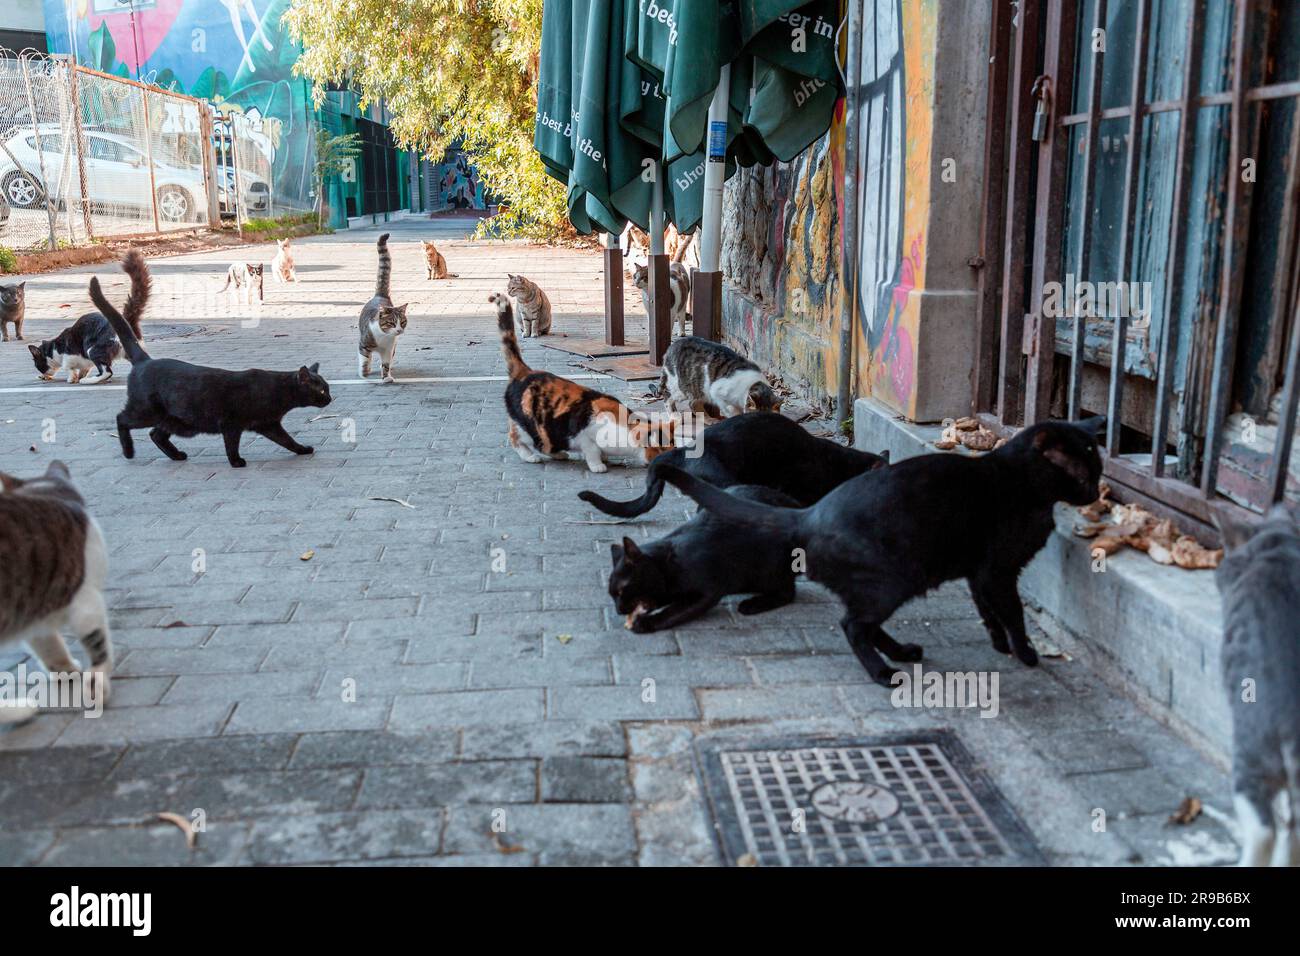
[[909, 801]]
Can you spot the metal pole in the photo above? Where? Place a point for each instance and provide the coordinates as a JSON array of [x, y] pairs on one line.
[[40, 153], [74, 93], [148, 158], [660, 317], [849, 245], [706, 284], [238, 199]]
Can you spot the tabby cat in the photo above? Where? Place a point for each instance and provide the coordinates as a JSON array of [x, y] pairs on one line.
[[1260, 584], [551, 416], [13, 306], [53, 564], [534, 306], [700, 374], [381, 321], [436, 262], [679, 280], [87, 343]]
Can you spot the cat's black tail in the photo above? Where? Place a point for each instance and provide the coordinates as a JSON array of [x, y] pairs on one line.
[[127, 322], [654, 490], [751, 514], [385, 267]]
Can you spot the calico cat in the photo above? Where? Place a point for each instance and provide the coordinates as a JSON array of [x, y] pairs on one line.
[[381, 321], [245, 276], [534, 306], [53, 565], [87, 343], [679, 280], [753, 449], [550, 416], [677, 578], [282, 266], [176, 398], [886, 537], [13, 307], [1259, 580], [436, 262], [699, 373]]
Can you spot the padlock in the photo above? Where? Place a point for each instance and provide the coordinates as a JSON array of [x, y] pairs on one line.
[[1040, 121]]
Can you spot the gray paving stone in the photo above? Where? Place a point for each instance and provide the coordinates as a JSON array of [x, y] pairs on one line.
[[621, 703], [373, 749], [24, 847], [548, 738], [549, 672], [584, 780], [278, 715], [416, 712], [683, 671], [560, 834], [244, 754], [793, 701], [449, 784], [153, 844], [234, 687], [351, 837], [371, 682], [136, 724]]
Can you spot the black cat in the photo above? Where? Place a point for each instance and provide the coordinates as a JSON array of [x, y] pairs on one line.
[[758, 448], [676, 578], [889, 536], [88, 342], [177, 398]]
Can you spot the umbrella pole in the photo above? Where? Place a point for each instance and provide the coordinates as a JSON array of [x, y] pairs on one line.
[[613, 291], [661, 293], [706, 283]]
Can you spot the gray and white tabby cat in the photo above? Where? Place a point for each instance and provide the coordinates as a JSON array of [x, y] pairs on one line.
[[1259, 581], [531, 303], [381, 321], [13, 305], [245, 276], [679, 280], [701, 375], [53, 565]]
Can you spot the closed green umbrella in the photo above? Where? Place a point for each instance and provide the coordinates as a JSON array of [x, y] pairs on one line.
[[551, 135]]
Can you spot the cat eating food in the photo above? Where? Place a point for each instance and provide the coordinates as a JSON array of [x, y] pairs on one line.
[[53, 565], [753, 449], [676, 578], [381, 322], [1259, 581], [171, 397], [245, 276], [886, 537], [551, 416], [87, 343], [436, 262], [282, 266], [534, 306], [679, 280], [699, 374], [13, 307]]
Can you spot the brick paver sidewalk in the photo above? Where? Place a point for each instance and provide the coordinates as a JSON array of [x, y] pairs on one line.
[[394, 697]]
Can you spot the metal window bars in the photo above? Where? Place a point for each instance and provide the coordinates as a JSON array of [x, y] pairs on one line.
[[1029, 208]]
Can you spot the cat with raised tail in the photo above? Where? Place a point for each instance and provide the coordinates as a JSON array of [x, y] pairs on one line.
[[53, 566], [551, 416], [381, 322], [282, 266], [88, 343], [1259, 581], [700, 375], [171, 397], [534, 307]]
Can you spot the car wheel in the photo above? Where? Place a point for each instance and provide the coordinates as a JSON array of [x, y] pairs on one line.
[[175, 205], [22, 190]]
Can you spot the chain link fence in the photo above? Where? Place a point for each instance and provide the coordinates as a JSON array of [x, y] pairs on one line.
[[85, 155]]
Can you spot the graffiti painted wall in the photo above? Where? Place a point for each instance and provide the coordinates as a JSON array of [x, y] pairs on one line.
[[232, 52], [455, 184]]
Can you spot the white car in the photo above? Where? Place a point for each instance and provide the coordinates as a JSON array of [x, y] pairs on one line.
[[117, 174]]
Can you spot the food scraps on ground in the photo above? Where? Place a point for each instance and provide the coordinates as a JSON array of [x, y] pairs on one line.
[[1112, 526]]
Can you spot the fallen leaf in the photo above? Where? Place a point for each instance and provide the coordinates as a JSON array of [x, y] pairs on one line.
[[1187, 811], [502, 846], [307, 556], [191, 837], [319, 417], [564, 638], [396, 501], [175, 624]]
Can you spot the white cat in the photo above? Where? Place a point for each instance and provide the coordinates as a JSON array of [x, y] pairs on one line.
[[282, 265]]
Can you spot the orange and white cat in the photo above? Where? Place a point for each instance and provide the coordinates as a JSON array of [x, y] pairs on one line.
[[436, 262], [282, 267]]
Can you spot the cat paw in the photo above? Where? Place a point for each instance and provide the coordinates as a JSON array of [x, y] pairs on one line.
[[885, 676], [644, 625], [597, 468], [238, 463], [1026, 654], [1000, 643], [387, 380]]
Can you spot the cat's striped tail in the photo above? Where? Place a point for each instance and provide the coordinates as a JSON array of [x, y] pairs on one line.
[[385, 267], [516, 367], [127, 322]]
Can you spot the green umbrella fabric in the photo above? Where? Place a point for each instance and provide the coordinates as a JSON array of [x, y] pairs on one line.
[[552, 135]]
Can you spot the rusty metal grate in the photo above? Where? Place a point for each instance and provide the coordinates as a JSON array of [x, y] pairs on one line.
[[913, 801]]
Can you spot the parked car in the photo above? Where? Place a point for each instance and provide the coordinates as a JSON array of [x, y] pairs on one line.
[[257, 191], [117, 174]]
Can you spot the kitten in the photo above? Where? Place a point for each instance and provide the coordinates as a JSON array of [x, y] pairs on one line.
[[1260, 584], [381, 322], [282, 265], [886, 537], [176, 398], [13, 306], [699, 373], [245, 276], [679, 280], [534, 306], [54, 565], [550, 416], [87, 343], [436, 262], [677, 578], [753, 449]]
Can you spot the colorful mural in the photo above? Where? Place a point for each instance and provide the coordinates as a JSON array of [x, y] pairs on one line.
[[456, 184], [232, 52]]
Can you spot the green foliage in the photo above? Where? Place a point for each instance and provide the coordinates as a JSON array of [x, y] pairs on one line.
[[8, 260], [103, 53], [448, 71], [297, 224], [333, 154]]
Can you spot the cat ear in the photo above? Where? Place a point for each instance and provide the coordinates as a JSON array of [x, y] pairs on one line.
[[1094, 426], [34, 349], [882, 461], [304, 375], [1234, 530], [9, 482], [615, 550], [1282, 513], [314, 367], [57, 469], [630, 550]]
